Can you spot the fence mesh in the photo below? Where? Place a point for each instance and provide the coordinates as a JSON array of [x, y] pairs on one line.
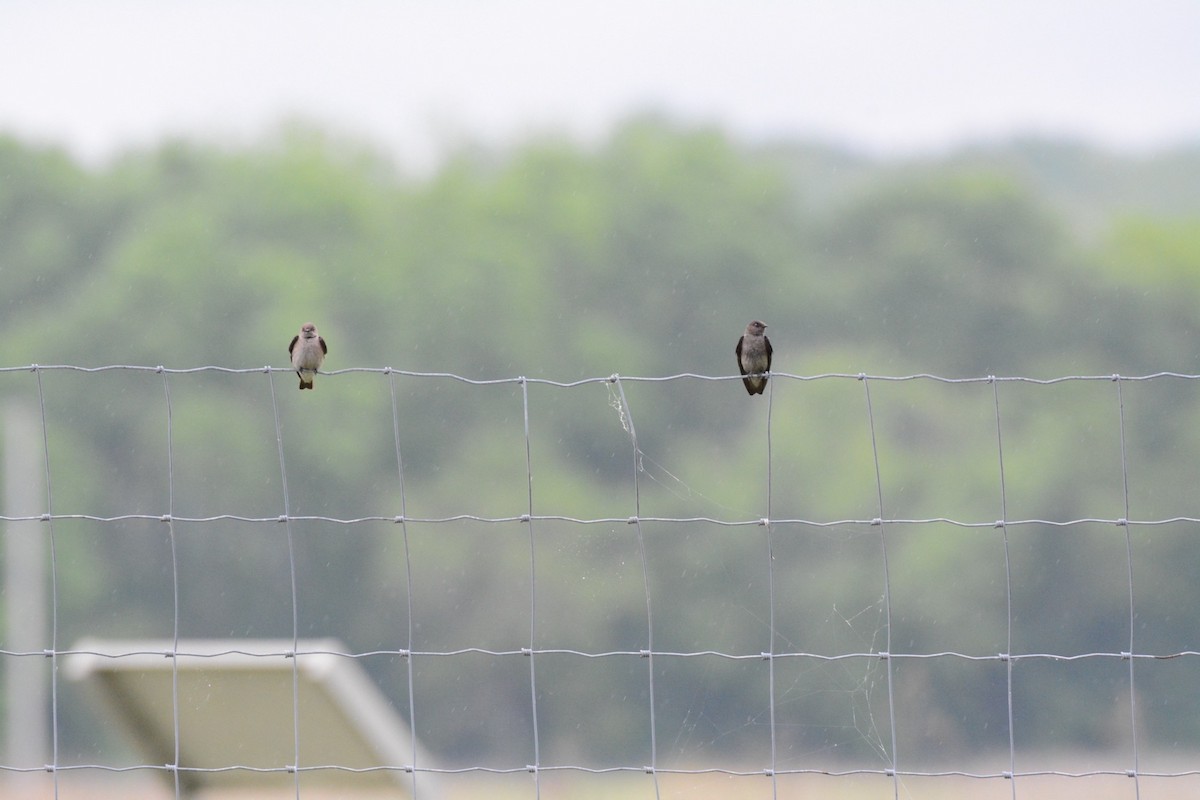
[[864, 659]]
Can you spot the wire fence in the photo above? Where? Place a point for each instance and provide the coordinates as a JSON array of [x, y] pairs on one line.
[[886, 653]]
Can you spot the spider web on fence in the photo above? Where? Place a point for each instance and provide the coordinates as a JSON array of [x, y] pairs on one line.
[[865, 666]]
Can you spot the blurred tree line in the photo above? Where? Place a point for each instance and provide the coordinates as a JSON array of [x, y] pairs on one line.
[[643, 256]]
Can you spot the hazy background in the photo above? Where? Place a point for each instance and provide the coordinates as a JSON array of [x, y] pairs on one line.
[[886, 77], [565, 192]]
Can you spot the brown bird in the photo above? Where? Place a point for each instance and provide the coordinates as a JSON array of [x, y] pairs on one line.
[[754, 356], [308, 351]]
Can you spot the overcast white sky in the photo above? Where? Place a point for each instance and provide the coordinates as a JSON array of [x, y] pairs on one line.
[[888, 76]]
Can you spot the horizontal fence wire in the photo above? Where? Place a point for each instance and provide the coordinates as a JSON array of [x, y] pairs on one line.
[[775, 649], [612, 378], [539, 651], [549, 768]]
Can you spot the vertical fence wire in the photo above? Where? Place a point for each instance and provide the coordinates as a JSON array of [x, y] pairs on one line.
[[1008, 599], [49, 518], [170, 519], [1133, 721], [291, 547], [408, 584], [627, 418], [887, 590], [771, 633], [536, 767]]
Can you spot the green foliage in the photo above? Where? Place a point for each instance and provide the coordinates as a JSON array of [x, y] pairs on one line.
[[645, 256], [1156, 256]]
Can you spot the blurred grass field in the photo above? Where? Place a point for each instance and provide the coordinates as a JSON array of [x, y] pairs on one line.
[[628, 786], [808, 787]]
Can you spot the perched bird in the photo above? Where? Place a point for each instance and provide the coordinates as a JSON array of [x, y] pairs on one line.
[[754, 356], [308, 351]]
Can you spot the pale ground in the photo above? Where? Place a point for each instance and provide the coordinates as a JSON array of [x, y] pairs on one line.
[[671, 787]]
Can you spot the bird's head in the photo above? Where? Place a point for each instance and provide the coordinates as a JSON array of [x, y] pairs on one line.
[[756, 328]]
